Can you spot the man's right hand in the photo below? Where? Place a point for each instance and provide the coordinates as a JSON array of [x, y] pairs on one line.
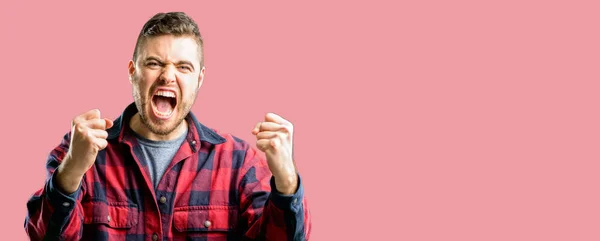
[[88, 136]]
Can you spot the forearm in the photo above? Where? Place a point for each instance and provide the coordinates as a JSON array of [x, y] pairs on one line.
[[283, 217], [67, 180], [269, 212], [285, 184], [53, 214]]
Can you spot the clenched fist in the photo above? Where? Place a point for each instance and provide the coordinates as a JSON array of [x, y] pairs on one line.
[[88, 136], [274, 137]]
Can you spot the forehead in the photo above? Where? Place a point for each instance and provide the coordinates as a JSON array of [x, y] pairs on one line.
[[171, 48]]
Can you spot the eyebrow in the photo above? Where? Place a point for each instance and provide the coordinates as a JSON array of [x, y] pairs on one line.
[[178, 63]]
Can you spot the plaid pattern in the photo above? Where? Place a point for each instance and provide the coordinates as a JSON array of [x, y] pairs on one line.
[[216, 188]]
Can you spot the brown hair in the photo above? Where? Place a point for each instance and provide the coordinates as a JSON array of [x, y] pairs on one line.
[[171, 23]]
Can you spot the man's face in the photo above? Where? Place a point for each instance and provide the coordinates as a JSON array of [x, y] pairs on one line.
[[166, 78]]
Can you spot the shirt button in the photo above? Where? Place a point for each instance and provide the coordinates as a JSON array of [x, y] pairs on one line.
[[193, 142], [66, 204], [295, 200], [163, 200], [108, 218], [154, 237], [207, 223]]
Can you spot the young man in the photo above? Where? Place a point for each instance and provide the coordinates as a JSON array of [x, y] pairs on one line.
[[156, 173]]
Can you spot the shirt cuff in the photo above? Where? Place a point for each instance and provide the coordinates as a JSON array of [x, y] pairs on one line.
[[62, 202], [291, 202], [63, 206]]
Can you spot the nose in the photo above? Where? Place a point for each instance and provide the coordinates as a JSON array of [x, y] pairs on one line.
[[168, 74]]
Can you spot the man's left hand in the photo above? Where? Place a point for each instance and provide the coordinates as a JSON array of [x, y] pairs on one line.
[[274, 137]]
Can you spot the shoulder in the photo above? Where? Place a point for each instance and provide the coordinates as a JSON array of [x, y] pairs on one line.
[[221, 140], [232, 141]]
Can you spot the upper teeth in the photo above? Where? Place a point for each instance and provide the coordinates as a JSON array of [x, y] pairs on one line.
[[166, 93]]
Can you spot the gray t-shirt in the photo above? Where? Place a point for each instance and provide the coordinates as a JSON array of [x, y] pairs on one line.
[[158, 154]]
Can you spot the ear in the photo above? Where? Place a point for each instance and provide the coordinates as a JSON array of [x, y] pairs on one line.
[[131, 70], [201, 77]]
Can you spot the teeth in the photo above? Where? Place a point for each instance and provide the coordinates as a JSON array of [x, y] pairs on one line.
[[165, 114], [166, 93]]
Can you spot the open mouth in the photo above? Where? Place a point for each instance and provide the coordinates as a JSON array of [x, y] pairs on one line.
[[164, 102]]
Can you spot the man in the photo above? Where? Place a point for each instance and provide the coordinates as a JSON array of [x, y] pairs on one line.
[[156, 173]]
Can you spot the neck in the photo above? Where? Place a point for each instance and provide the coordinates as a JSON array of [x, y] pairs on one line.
[[141, 129]]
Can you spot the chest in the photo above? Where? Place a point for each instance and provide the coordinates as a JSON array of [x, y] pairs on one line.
[[197, 193]]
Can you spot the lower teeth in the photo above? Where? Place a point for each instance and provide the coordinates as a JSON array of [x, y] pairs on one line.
[[164, 113]]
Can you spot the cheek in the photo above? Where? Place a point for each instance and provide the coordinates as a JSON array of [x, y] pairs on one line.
[[143, 82], [140, 88], [189, 87]]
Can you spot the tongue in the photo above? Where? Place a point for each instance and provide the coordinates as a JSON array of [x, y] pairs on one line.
[[163, 104]]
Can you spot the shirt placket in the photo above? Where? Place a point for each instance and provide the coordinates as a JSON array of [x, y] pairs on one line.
[[153, 227], [165, 193]]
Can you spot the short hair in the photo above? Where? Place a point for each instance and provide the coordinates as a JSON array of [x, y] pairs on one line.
[[171, 23]]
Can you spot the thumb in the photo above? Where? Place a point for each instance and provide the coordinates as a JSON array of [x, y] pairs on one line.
[[109, 123]]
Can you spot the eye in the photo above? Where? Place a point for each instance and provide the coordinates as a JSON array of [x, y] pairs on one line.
[[185, 68], [152, 64]]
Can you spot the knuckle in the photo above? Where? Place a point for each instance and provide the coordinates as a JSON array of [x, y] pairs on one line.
[[79, 127], [76, 121]]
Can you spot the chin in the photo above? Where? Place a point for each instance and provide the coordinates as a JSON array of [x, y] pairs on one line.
[[164, 127]]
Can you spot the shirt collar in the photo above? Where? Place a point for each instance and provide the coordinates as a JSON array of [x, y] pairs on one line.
[[203, 133]]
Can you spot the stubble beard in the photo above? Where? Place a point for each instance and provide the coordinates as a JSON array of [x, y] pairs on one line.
[[160, 128]]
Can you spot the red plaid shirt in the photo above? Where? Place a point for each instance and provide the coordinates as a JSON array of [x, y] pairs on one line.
[[216, 188]]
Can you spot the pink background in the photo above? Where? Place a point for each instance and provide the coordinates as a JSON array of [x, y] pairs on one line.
[[436, 120]]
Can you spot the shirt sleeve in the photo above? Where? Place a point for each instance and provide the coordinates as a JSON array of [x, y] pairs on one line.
[[267, 214], [52, 214]]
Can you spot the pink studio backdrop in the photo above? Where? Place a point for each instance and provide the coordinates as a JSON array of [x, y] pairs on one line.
[[416, 120]]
